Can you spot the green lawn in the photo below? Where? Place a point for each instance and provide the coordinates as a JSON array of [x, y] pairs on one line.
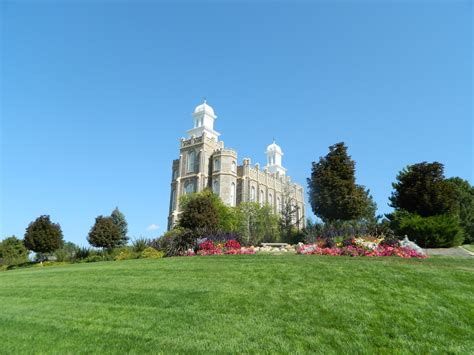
[[241, 303]]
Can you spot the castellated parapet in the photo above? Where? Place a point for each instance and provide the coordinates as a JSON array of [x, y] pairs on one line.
[[204, 162]]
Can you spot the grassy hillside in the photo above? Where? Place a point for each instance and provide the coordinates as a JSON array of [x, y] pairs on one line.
[[241, 303]]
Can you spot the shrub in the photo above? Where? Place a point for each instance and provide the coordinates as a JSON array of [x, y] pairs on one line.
[[13, 251], [93, 258], [125, 253], [67, 252], [151, 253], [175, 242], [440, 231], [140, 244], [82, 253]]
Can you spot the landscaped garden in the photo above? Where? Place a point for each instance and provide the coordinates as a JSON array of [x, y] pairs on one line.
[[241, 303]]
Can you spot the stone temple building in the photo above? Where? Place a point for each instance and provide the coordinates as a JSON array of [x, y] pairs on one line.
[[204, 162]]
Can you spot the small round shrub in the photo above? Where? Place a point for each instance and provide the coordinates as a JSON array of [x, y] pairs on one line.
[[151, 253]]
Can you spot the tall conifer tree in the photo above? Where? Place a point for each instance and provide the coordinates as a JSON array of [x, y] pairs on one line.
[[333, 192]]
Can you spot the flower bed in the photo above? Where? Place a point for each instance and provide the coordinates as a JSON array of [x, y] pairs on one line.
[[351, 247], [358, 250], [208, 247]]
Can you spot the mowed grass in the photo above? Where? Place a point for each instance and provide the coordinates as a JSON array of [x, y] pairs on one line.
[[242, 303]]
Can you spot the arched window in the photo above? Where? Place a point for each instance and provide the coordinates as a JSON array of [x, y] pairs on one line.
[[191, 161], [217, 164], [262, 198], [234, 167], [252, 194], [232, 194], [270, 199], [215, 186], [278, 205]]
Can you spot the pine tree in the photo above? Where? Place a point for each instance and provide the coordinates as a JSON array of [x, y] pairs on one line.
[[333, 192], [119, 220]]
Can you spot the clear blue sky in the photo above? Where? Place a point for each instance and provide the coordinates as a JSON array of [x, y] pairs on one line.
[[96, 94]]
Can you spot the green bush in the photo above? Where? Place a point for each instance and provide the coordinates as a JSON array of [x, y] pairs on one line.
[[93, 258], [12, 251], [442, 231], [67, 252], [175, 242], [152, 253], [124, 253], [82, 253], [140, 244]]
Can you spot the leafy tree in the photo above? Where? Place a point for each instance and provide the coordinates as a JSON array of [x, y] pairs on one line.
[[257, 223], [119, 220], [199, 212], [13, 251], [464, 193], [67, 252], [333, 192], [422, 189], [290, 220], [104, 233], [43, 236]]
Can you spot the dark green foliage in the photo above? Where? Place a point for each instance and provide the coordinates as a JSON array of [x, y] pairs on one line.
[[83, 253], [13, 251], [441, 231], [175, 242], [67, 252], [104, 233], [333, 193], [199, 212], [464, 193], [295, 237], [422, 189], [43, 236], [119, 220], [140, 244]]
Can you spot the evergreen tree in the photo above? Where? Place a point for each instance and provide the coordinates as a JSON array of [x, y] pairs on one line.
[[333, 192], [464, 193], [104, 233], [43, 236], [423, 190], [119, 220]]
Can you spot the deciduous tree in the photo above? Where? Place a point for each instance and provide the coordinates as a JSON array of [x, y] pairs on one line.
[[104, 233], [43, 236], [423, 190]]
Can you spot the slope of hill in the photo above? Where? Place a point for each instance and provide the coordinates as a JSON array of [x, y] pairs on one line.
[[240, 303]]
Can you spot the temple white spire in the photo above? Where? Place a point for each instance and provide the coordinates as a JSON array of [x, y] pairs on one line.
[[274, 155], [204, 117]]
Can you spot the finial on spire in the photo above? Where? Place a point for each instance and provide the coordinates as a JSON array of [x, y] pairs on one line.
[[273, 140], [204, 98]]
